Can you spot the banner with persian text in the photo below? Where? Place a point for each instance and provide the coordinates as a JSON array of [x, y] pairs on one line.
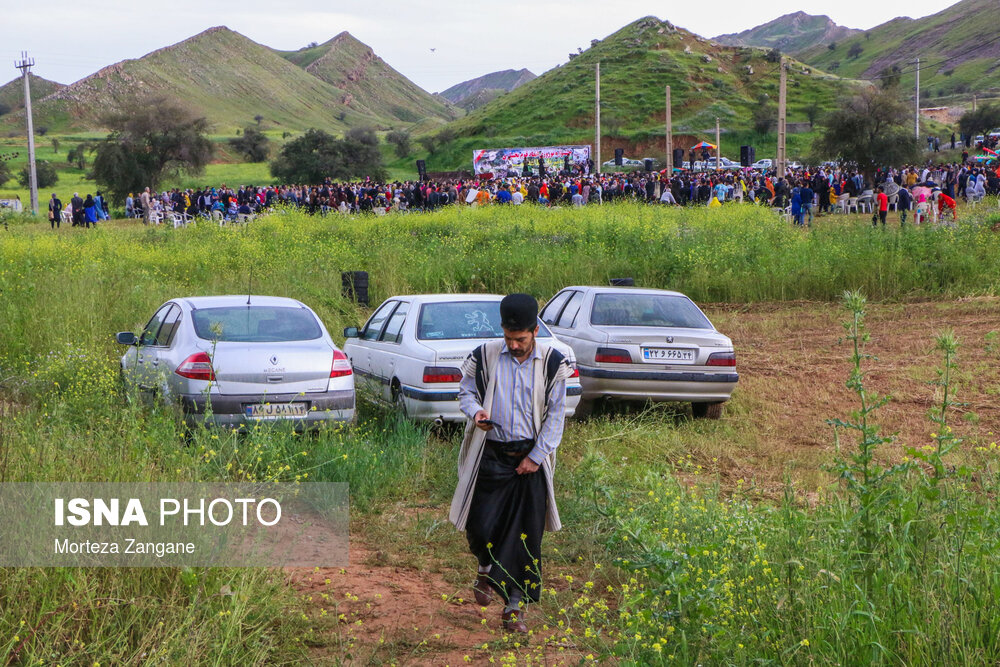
[[503, 162]]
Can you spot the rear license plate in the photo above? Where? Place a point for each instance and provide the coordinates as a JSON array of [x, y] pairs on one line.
[[276, 410], [669, 355]]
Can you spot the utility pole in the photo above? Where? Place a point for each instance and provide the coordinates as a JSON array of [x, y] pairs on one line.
[[597, 117], [25, 64], [718, 146], [670, 139], [916, 117], [782, 86]]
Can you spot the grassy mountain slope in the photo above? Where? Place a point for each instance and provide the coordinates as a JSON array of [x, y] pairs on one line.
[[505, 80], [227, 78], [368, 82], [12, 92], [707, 80], [790, 33], [959, 50]]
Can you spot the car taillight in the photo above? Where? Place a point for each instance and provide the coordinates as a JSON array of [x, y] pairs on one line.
[[341, 365], [197, 367], [576, 372], [434, 374], [722, 359], [612, 355]]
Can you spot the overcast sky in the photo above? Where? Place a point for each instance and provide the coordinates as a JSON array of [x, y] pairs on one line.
[[70, 40]]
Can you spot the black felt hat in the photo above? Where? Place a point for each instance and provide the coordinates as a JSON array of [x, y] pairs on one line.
[[518, 312]]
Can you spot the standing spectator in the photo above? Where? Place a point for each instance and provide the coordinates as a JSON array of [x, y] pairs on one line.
[[883, 206], [903, 204], [129, 206], [147, 206], [55, 211], [99, 206], [77, 205], [90, 211]]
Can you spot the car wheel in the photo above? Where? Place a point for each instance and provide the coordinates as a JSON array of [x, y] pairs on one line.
[[398, 399], [584, 409], [706, 410]]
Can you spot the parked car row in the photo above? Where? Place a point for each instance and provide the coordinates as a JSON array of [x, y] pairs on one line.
[[235, 360]]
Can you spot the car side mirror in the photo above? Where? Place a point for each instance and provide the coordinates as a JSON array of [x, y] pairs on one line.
[[350, 332], [126, 338]]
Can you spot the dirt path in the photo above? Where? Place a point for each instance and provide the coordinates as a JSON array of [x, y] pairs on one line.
[[793, 368]]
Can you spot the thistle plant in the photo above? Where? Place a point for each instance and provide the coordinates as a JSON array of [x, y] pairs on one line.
[[865, 480]]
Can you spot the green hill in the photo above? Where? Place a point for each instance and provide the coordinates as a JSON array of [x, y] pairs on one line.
[[959, 50], [707, 80], [230, 79], [12, 92], [790, 33], [368, 83], [475, 93]]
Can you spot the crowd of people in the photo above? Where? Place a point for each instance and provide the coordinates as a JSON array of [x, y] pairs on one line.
[[802, 193], [79, 212]]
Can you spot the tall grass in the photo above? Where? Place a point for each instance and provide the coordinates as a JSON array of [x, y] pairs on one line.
[[704, 575]]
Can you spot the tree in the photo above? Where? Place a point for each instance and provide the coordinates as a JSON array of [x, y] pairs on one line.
[[764, 115], [400, 141], [360, 146], [252, 145], [77, 157], [317, 155], [855, 50], [428, 143], [150, 140], [4, 108], [55, 145], [773, 56], [980, 121], [42, 130], [4, 172], [871, 129], [813, 111], [832, 46], [259, 119], [45, 174], [889, 77]]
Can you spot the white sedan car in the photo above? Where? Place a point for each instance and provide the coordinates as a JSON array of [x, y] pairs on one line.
[[411, 351]]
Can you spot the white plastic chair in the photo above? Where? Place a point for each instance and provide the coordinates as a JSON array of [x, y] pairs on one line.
[[67, 217], [155, 218]]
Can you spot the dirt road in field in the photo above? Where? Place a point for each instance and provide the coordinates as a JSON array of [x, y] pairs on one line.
[[792, 360]]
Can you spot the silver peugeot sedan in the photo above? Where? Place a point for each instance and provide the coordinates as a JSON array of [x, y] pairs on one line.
[[643, 344], [250, 358]]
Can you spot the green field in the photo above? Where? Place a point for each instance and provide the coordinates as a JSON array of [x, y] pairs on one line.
[[680, 545]]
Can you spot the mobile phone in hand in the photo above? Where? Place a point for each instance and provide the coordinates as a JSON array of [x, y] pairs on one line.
[[490, 422]]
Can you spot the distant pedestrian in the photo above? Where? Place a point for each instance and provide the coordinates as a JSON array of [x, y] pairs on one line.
[[883, 206], [55, 211]]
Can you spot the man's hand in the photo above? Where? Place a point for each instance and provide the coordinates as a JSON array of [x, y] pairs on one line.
[[527, 466], [478, 417]]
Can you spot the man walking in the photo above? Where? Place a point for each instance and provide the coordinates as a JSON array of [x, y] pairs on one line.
[[513, 392]]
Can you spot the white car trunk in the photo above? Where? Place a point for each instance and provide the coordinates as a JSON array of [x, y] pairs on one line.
[[273, 368]]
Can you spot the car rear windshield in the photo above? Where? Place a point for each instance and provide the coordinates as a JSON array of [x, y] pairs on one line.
[[463, 319], [647, 310], [255, 324]]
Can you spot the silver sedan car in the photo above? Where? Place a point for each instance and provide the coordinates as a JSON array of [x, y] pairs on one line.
[[643, 344], [251, 358]]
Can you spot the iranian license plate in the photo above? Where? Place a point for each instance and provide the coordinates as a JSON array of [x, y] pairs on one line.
[[276, 410], [669, 355]]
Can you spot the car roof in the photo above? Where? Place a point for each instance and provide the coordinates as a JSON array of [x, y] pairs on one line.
[[223, 301], [445, 298], [610, 289]]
